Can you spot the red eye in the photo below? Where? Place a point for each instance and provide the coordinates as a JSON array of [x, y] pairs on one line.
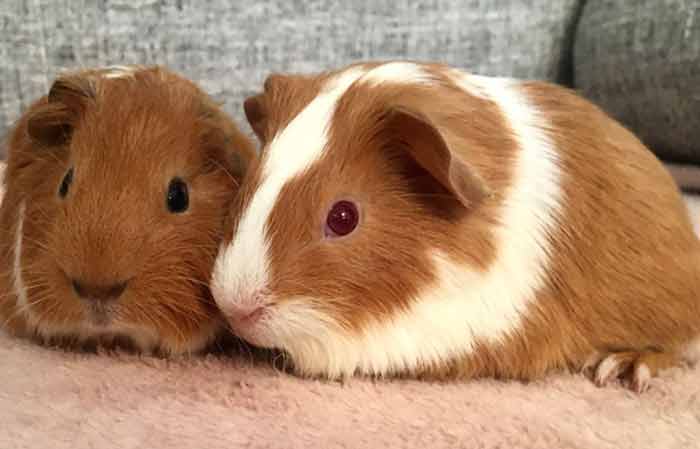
[[342, 219]]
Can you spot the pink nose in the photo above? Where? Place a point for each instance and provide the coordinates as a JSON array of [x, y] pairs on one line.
[[244, 310], [244, 315]]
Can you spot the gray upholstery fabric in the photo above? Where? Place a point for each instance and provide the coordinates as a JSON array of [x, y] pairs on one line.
[[640, 60], [230, 46]]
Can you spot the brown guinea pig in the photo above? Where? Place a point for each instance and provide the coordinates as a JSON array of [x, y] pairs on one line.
[[413, 219], [117, 184]]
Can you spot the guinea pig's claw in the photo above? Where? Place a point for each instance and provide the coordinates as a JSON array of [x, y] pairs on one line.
[[634, 368]]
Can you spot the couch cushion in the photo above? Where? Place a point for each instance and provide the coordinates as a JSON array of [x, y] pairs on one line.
[[640, 60], [231, 46]]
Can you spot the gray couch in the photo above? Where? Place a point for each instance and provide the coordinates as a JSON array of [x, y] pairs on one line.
[[636, 58]]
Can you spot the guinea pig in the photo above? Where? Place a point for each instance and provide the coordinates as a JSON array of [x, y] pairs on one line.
[[117, 184], [410, 219]]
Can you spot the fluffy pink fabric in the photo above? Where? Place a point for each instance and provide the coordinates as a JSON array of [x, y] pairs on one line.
[[54, 399]]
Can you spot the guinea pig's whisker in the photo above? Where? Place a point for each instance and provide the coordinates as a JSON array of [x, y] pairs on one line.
[[222, 168], [43, 247], [40, 218], [291, 281], [174, 283], [64, 316], [54, 158], [38, 286], [158, 313], [164, 316], [44, 296], [35, 242], [181, 257], [24, 308], [191, 280], [167, 292], [9, 271], [174, 278], [38, 280], [8, 231], [15, 313], [422, 195], [141, 310], [189, 313]]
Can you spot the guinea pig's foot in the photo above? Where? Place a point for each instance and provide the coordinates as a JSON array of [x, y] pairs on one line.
[[634, 368]]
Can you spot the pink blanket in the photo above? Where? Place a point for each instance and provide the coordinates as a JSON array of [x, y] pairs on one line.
[[52, 399]]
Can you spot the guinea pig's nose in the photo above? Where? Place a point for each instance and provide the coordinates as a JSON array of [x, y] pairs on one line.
[[245, 310], [244, 315], [98, 292]]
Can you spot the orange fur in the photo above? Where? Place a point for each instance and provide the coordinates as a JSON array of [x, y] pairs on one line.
[[625, 268], [126, 138]]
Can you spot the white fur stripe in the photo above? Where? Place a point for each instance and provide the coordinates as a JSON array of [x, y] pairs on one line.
[[18, 281], [242, 266], [120, 71], [464, 305], [397, 72]]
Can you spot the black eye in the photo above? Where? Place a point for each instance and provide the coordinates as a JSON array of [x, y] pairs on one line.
[[178, 199], [342, 219], [65, 183]]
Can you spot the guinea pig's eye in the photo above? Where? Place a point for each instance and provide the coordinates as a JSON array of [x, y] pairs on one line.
[[65, 183], [342, 219], [178, 198]]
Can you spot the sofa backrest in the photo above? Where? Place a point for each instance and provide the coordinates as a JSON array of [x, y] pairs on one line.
[[229, 47]]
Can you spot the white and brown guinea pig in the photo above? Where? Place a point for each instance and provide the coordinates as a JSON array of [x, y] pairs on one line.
[[117, 186], [413, 219]]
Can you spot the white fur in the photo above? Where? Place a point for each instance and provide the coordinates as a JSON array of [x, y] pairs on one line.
[[642, 377], [241, 268], [480, 86], [120, 71], [607, 370], [691, 353], [18, 280], [464, 305], [397, 72]]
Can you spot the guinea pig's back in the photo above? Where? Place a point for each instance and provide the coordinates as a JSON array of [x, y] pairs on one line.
[[625, 261]]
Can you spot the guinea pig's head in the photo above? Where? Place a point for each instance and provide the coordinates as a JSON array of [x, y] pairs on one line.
[[334, 232], [118, 183]]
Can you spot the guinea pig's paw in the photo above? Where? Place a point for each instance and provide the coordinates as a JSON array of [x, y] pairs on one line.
[[634, 368]]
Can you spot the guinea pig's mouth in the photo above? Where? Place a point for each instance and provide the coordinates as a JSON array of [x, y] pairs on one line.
[[248, 325], [99, 314], [100, 304], [276, 325]]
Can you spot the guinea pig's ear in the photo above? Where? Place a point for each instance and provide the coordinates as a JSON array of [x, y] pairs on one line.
[[256, 113], [256, 107], [225, 145], [53, 123], [430, 148]]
